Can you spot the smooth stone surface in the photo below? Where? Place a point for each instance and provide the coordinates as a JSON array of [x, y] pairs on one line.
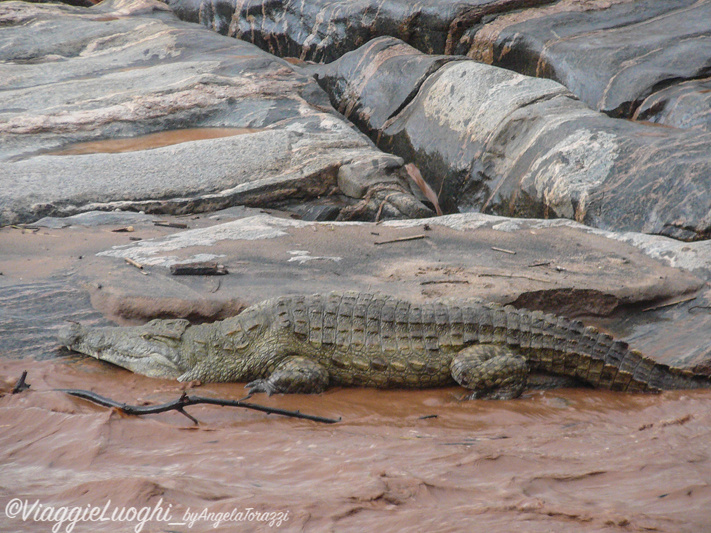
[[323, 30], [369, 95], [127, 69], [95, 218], [684, 105], [493, 140], [554, 265], [612, 55]]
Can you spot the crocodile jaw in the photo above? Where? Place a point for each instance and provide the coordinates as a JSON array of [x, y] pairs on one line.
[[125, 347]]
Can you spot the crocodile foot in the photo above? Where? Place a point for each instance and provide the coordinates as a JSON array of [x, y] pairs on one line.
[[491, 371], [293, 375]]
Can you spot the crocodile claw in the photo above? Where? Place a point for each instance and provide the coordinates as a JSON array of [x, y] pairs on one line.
[[260, 385]]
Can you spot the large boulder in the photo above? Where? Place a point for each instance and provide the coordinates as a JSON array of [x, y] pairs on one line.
[[124, 106], [493, 140]]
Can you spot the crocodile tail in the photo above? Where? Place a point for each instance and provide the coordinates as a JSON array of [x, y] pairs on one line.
[[667, 378], [637, 372], [567, 347]]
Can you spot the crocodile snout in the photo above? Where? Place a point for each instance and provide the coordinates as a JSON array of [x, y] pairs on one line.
[[69, 335]]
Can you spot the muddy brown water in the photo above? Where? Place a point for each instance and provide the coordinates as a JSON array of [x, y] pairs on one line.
[[150, 141], [564, 460]]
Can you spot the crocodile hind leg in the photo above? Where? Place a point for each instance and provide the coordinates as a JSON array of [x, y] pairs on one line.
[[492, 371], [294, 375]]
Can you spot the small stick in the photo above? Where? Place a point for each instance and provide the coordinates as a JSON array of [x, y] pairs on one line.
[[166, 224], [514, 276], [184, 401], [201, 268], [21, 385], [503, 250], [24, 227], [434, 281], [401, 239], [541, 264], [131, 262]]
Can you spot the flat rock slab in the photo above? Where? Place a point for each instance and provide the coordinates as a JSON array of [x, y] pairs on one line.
[[557, 266], [212, 121], [493, 140]]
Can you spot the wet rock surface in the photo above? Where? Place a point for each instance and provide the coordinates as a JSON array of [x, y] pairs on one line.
[[323, 30], [684, 105], [612, 55], [148, 74], [493, 140]]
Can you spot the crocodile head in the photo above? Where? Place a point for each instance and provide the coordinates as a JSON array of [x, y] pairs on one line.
[[152, 350]]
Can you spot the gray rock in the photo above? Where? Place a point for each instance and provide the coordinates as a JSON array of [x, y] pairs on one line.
[[683, 105], [95, 218], [355, 179], [612, 55], [122, 70], [323, 30], [493, 140]]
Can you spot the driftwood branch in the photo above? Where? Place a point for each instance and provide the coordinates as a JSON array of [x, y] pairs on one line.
[[184, 401]]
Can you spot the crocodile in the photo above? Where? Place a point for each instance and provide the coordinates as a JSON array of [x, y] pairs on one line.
[[305, 343]]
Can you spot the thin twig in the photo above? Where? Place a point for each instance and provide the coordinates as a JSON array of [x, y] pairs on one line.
[[541, 264], [184, 401], [167, 224], [198, 268], [437, 281], [669, 304], [21, 385], [402, 239], [503, 250], [514, 276], [131, 262]]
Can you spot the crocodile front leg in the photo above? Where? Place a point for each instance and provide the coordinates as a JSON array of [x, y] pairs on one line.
[[294, 375], [492, 371]]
